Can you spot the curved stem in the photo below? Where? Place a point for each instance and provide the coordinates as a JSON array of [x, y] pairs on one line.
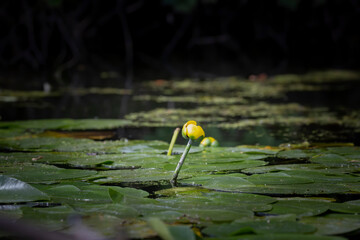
[[173, 140], [181, 162]]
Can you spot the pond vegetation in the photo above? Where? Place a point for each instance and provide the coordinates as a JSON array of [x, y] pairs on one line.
[[306, 188]]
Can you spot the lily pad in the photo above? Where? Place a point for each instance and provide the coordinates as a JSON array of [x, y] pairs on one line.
[[171, 232], [296, 153], [346, 207], [52, 218], [240, 184], [277, 178], [333, 224], [335, 160], [279, 236], [300, 207], [13, 190], [90, 193], [37, 173], [258, 227]]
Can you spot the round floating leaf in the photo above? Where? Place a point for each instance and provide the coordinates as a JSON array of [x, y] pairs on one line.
[[240, 184], [52, 218], [333, 224], [299, 207], [346, 151], [37, 173], [217, 215], [256, 150], [171, 232], [278, 236], [93, 193], [319, 176], [118, 210], [334, 160], [346, 207], [277, 178], [289, 154], [220, 182], [73, 194], [259, 227], [13, 190], [300, 167]]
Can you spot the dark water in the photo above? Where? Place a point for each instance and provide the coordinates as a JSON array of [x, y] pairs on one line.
[[339, 98]]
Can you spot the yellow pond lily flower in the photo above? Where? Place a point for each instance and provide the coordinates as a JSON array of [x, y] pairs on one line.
[[192, 130], [209, 141]]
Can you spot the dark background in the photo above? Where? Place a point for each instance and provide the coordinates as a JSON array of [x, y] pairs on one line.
[[62, 41]]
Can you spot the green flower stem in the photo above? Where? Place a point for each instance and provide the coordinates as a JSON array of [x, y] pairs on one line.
[[181, 162], [173, 140]]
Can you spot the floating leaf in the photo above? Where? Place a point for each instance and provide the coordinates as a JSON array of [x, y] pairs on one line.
[[235, 183], [299, 207], [13, 190], [36, 173], [333, 224], [296, 153], [279, 236], [118, 210], [52, 218], [258, 227], [277, 178], [171, 232], [346, 207]]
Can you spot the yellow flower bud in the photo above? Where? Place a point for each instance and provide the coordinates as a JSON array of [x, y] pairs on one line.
[[209, 141], [192, 130]]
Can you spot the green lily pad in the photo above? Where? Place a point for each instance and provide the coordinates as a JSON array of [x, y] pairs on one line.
[[300, 207], [217, 201], [298, 167], [345, 151], [333, 224], [235, 183], [279, 236], [335, 160], [89, 193], [118, 210], [52, 218], [277, 178], [320, 176], [171, 232], [289, 154], [37, 173], [13, 190], [256, 150], [346, 207], [258, 227], [47, 144]]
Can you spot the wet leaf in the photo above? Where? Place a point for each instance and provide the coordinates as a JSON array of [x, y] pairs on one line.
[[171, 232], [235, 183], [13, 190], [333, 224], [277, 178], [258, 227], [36, 173], [279, 236], [299, 207], [52, 218], [296, 153]]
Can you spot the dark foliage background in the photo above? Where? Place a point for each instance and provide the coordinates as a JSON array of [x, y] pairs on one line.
[[139, 39]]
